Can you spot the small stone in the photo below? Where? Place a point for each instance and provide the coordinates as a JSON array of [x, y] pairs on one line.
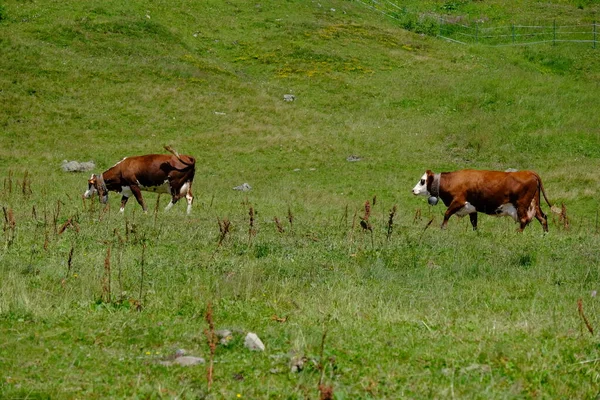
[[353, 158], [76, 166], [225, 336], [289, 97], [187, 361], [244, 187], [253, 342]]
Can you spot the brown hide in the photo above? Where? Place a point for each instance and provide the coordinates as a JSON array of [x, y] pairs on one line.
[[487, 191]]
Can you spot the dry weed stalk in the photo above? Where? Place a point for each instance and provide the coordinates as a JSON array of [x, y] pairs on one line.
[[364, 223], [33, 213], [224, 229], [290, 218], [9, 225], [583, 317], [344, 218], [26, 186], [278, 225], [70, 262], [325, 392], [251, 228], [106, 278], [69, 223], [8, 183], [562, 218], [211, 339], [119, 238], [390, 226], [56, 216], [417, 217]]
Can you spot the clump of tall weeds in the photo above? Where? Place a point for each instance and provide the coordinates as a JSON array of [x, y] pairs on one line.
[[278, 225], [390, 224], [224, 229], [10, 225]]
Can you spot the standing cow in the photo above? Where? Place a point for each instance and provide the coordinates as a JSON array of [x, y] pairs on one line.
[[159, 173], [515, 194]]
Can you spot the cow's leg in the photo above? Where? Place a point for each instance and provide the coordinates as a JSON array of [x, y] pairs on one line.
[[524, 218], [473, 218], [138, 196], [174, 198], [540, 216], [452, 209], [190, 198], [123, 202]]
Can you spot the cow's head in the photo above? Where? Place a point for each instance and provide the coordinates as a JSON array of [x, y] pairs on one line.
[[96, 185], [420, 188]]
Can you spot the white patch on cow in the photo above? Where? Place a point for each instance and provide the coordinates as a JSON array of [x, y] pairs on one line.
[[184, 188], [507, 210], [91, 189], [420, 188], [88, 193], [531, 209], [466, 209], [126, 191]]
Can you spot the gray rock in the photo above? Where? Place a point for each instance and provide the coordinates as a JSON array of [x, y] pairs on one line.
[[184, 361], [353, 158], [253, 342], [289, 97], [76, 166], [244, 187], [225, 336]]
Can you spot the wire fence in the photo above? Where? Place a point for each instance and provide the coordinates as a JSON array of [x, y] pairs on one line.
[[512, 35], [454, 30]]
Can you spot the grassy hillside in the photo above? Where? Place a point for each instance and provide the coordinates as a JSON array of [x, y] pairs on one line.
[[406, 312]]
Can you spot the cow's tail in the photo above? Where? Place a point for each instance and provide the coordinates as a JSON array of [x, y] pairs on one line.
[[176, 154], [541, 186]]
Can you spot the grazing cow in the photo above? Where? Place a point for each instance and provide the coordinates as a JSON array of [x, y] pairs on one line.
[[515, 194], [159, 173]]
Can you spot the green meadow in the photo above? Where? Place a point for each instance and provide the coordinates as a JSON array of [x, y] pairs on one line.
[[351, 300]]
